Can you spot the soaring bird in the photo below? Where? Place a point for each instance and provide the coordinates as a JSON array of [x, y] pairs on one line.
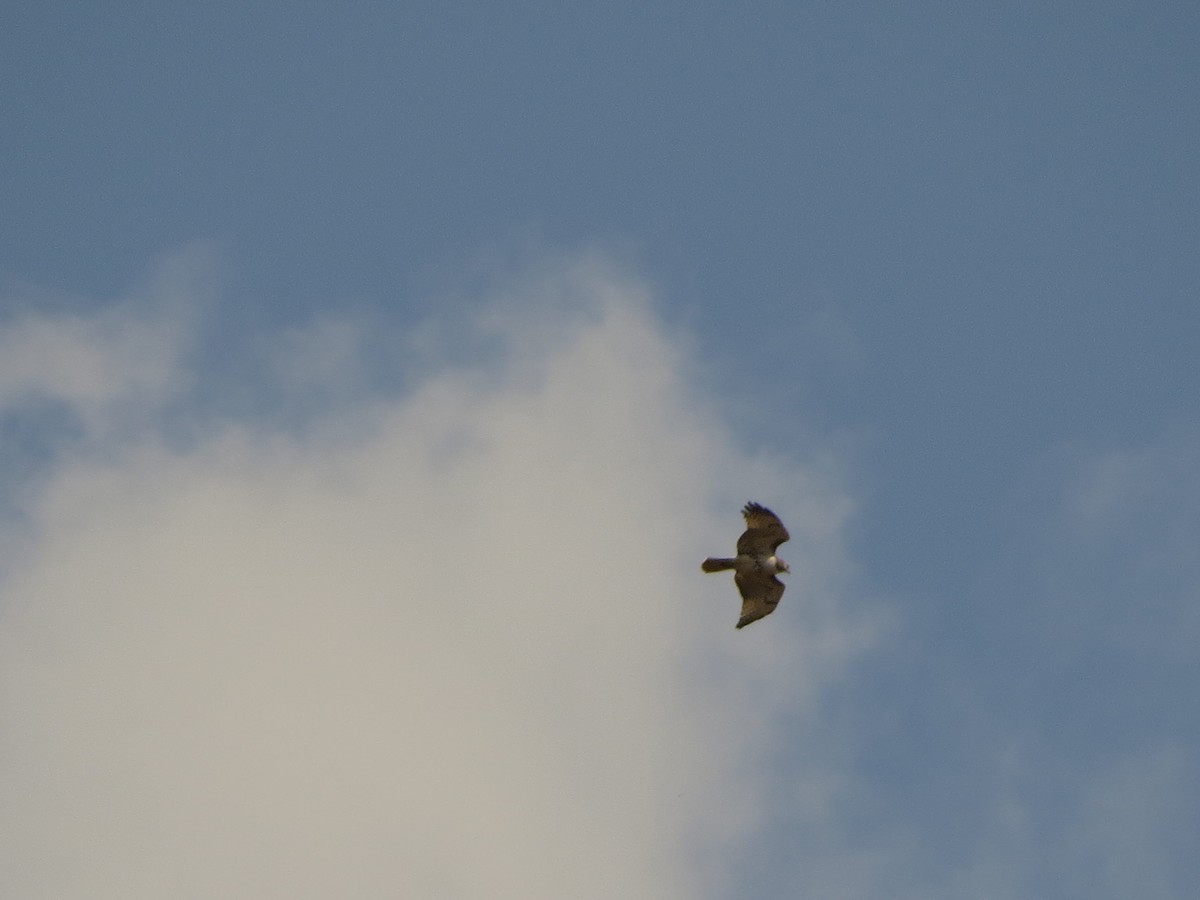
[[756, 565]]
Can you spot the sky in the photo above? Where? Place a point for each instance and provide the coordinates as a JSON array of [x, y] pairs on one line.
[[374, 377]]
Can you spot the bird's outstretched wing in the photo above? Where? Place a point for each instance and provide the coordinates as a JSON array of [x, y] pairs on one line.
[[760, 595], [764, 532]]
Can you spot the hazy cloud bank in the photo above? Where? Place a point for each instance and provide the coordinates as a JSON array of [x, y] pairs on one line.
[[448, 641]]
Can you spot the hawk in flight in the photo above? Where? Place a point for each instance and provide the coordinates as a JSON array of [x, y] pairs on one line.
[[756, 565]]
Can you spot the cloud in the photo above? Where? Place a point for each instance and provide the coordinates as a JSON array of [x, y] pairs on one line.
[[1037, 735], [1089, 788], [102, 368], [445, 640]]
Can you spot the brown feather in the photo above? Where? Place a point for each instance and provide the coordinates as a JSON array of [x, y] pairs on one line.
[[764, 532], [760, 595]]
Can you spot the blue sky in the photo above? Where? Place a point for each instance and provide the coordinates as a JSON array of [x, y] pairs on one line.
[[921, 278]]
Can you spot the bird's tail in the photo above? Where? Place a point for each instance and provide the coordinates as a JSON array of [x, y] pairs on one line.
[[712, 564]]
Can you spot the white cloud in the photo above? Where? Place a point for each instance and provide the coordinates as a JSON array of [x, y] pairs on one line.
[[109, 367], [462, 649], [86, 364]]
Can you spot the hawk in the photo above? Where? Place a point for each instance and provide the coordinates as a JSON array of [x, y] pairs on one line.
[[756, 565]]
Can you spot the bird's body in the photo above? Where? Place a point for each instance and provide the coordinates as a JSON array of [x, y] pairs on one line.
[[756, 564], [769, 565]]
